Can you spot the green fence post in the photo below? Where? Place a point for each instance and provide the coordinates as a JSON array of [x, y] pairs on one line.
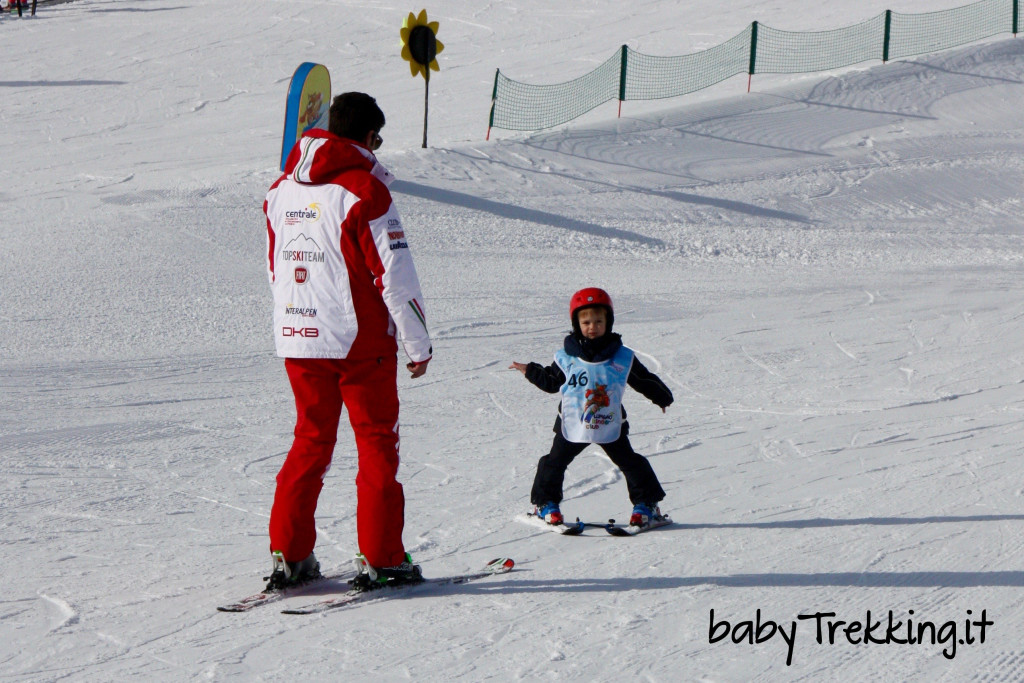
[[494, 98], [622, 78], [753, 53], [1016, 13], [885, 39]]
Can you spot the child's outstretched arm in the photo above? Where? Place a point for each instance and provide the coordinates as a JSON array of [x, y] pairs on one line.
[[549, 379], [650, 385]]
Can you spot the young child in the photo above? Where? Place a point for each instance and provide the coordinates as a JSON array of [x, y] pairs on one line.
[[592, 371]]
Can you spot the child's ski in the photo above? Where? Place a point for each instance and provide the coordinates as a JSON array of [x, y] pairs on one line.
[[569, 529], [264, 598], [502, 565], [576, 528], [630, 530]]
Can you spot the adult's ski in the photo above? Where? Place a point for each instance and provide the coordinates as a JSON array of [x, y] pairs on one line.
[[266, 598], [502, 565]]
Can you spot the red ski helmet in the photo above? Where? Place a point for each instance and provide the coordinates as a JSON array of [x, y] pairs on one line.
[[585, 298]]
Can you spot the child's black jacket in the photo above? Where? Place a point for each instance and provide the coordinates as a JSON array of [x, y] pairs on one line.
[[551, 378]]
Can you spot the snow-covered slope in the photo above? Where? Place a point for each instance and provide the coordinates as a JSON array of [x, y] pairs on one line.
[[827, 273]]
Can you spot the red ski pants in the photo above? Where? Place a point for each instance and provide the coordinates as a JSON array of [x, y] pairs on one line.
[[369, 389]]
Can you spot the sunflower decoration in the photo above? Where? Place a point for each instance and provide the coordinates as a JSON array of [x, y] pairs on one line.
[[420, 48], [420, 45]]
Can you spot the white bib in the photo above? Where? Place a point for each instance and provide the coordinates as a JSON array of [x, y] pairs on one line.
[[592, 396]]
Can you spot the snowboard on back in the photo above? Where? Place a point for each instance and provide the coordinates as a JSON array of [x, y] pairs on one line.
[[307, 106]]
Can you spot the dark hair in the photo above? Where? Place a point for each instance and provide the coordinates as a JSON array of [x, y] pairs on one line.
[[354, 115]]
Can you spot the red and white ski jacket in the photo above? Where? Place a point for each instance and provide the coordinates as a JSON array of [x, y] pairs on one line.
[[339, 264]]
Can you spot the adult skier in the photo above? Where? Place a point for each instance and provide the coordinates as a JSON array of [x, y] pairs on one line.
[[344, 286]]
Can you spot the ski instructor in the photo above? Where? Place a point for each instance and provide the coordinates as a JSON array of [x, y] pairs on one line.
[[344, 287]]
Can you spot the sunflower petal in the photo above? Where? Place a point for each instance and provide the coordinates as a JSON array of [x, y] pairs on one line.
[[433, 26], [440, 46], [404, 32], [421, 20]]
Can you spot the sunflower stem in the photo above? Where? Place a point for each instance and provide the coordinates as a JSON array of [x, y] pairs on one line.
[[426, 103]]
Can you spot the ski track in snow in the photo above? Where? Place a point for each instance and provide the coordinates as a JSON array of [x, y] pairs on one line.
[[826, 272], [66, 612]]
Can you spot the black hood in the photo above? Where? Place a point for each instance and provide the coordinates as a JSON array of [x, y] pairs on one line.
[[593, 350]]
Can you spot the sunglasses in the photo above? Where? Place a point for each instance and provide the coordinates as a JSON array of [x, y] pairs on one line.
[[376, 142]]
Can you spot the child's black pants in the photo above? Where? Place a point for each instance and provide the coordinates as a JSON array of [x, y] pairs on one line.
[[641, 481]]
